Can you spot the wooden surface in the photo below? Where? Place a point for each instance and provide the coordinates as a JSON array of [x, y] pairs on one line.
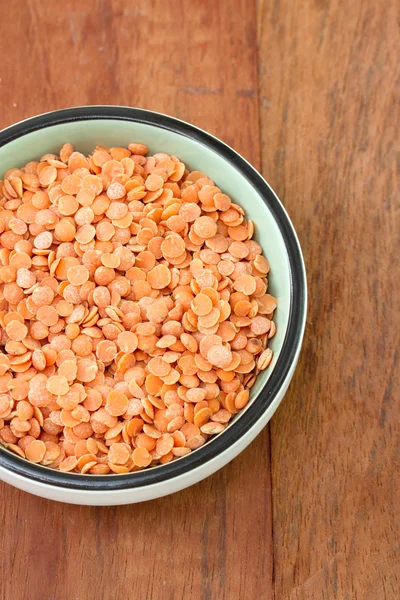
[[307, 92]]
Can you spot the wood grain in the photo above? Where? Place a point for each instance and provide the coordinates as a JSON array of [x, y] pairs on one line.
[[323, 89], [330, 128], [213, 541]]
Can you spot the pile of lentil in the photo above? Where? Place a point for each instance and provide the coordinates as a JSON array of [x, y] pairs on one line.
[[134, 313]]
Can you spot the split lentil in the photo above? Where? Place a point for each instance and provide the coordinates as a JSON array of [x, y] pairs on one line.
[[134, 313]]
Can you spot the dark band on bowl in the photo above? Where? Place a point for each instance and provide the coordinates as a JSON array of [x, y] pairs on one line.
[[290, 345]]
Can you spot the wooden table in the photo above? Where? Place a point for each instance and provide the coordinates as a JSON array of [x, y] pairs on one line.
[[306, 91]]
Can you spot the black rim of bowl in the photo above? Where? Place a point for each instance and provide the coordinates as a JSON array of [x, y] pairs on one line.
[[290, 345]]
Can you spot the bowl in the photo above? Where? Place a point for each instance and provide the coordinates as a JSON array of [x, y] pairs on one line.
[[87, 126]]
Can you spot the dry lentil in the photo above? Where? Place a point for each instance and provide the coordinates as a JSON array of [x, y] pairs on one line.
[[134, 312]]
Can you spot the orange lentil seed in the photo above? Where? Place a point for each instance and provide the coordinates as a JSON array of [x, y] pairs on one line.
[[135, 310]]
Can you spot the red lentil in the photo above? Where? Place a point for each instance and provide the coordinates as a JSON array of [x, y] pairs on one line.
[[134, 312]]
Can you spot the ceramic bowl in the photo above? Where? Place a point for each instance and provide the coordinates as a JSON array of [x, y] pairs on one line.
[[85, 127]]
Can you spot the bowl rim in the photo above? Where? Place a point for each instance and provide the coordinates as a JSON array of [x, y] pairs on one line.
[[297, 312]]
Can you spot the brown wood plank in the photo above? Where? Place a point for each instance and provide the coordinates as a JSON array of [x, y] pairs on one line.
[[197, 63], [330, 128]]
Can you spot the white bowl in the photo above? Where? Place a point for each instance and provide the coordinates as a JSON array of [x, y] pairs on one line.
[[85, 127]]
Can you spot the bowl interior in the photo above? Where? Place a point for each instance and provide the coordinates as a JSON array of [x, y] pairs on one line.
[[85, 135]]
